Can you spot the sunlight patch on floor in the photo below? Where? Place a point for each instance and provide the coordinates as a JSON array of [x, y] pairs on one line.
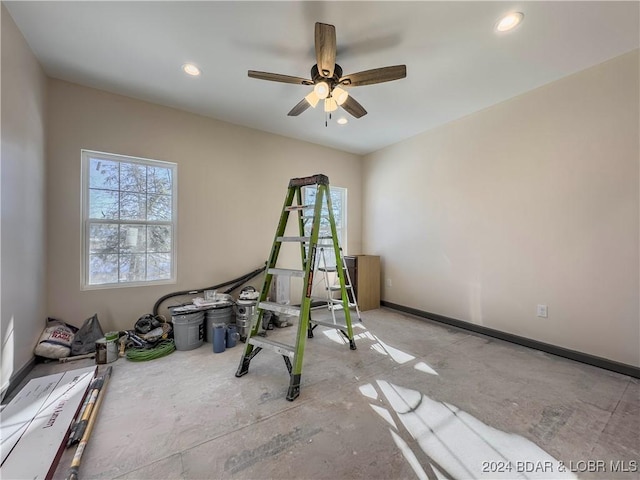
[[423, 367], [409, 456]]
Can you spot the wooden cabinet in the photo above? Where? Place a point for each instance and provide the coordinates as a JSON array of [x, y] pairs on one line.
[[364, 271]]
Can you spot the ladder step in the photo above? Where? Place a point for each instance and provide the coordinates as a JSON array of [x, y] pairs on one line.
[[293, 239], [295, 208], [280, 308], [329, 269], [269, 344], [286, 271], [329, 324], [336, 288], [307, 239], [335, 303], [338, 306]]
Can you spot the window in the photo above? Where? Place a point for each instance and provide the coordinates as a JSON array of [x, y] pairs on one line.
[[339, 207], [129, 220]]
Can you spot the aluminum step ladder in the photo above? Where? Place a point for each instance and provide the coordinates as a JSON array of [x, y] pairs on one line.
[[308, 239], [335, 304]]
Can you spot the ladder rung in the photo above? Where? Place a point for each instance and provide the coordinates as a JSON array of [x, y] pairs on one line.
[[338, 306], [269, 344], [337, 288], [280, 308], [336, 303], [293, 239], [329, 269], [329, 324], [324, 300], [286, 271], [295, 208]]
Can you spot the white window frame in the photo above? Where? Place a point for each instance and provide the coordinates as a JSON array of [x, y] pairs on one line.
[[342, 229], [86, 155]]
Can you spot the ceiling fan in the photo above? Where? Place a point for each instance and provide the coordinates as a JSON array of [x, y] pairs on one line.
[[327, 78]]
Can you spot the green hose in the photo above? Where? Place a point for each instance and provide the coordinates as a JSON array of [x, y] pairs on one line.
[[143, 354]]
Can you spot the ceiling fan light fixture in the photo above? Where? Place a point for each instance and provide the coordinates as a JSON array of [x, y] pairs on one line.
[[340, 95], [330, 104], [509, 21], [312, 99], [191, 69], [321, 89]]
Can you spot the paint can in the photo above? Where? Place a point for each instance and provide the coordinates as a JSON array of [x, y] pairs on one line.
[[112, 346], [101, 351], [107, 349], [188, 329]]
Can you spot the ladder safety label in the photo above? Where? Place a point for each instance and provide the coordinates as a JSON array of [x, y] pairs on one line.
[[311, 267]]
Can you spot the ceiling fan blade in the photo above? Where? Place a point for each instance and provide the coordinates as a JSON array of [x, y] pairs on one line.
[[377, 75], [299, 108], [276, 77], [325, 49], [353, 107]]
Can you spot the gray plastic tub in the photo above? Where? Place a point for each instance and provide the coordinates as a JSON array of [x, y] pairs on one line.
[[217, 315], [188, 330]]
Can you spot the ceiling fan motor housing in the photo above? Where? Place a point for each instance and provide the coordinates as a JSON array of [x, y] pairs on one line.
[[332, 81]]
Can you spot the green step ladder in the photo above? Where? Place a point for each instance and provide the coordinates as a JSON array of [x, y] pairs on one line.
[[293, 354]]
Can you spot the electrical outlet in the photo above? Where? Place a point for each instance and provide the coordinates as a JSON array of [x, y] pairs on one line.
[[542, 311], [389, 283]]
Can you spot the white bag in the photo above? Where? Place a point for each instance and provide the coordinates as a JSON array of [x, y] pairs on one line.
[[55, 341]]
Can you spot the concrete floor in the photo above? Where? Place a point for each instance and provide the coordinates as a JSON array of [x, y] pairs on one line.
[[416, 399]]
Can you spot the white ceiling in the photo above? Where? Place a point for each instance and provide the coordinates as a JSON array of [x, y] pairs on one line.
[[456, 63]]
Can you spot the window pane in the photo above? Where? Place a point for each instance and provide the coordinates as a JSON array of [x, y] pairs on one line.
[[103, 204], [133, 268], [103, 269], [158, 266], [103, 174], [336, 204], [159, 208], [133, 238], [103, 238], [159, 238], [133, 206], [129, 219], [133, 178], [159, 180]]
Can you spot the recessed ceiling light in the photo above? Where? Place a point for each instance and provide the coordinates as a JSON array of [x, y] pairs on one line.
[[191, 69], [342, 121], [509, 21]]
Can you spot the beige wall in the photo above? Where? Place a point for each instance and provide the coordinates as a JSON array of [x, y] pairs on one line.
[[232, 183], [22, 172], [532, 201]]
